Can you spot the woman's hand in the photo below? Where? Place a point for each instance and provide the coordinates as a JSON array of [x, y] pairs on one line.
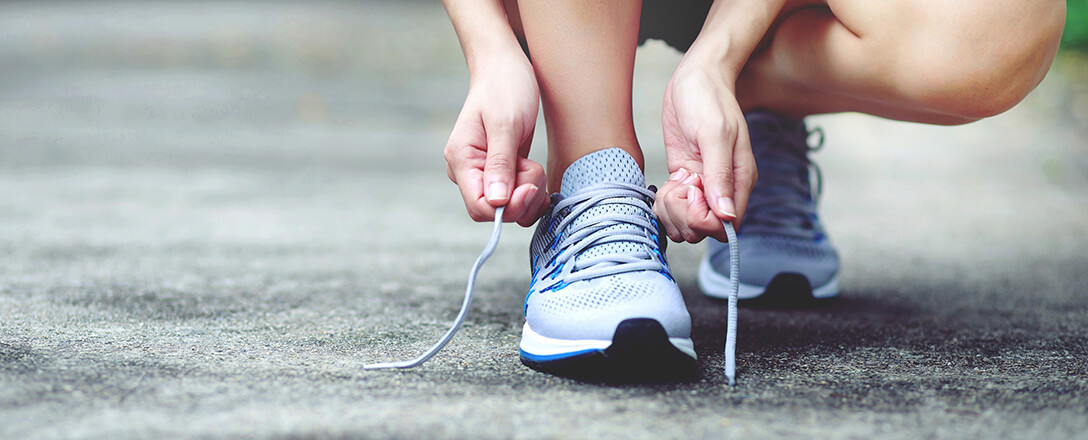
[[487, 153], [708, 153]]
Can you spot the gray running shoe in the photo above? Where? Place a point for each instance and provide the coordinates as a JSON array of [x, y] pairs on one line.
[[602, 302], [786, 257]]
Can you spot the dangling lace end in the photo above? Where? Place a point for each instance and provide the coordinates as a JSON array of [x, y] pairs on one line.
[[488, 250], [731, 319]]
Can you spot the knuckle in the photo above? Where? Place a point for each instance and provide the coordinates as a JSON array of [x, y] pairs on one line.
[[480, 216], [700, 226], [450, 152], [675, 196], [527, 220], [724, 174], [719, 128], [691, 237], [499, 162], [675, 236], [506, 123]]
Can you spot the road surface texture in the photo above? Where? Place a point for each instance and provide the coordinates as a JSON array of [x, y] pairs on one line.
[[212, 214]]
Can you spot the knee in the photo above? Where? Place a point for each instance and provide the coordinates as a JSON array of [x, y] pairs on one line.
[[986, 61]]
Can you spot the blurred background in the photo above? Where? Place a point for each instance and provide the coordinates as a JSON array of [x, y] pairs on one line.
[[258, 82], [252, 101]]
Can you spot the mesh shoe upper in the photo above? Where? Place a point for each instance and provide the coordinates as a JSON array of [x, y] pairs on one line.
[[595, 256], [781, 231]]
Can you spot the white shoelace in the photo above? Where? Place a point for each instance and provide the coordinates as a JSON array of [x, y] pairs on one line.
[[731, 314], [603, 228], [731, 319], [488, 250]]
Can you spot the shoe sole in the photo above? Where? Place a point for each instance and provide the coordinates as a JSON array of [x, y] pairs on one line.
[[784, 287], [640, 350]]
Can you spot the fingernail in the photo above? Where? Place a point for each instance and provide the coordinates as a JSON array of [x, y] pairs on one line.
[[679, 174], [726, 207], [531, 192], [691, 195], [690, 179], [497, 191]]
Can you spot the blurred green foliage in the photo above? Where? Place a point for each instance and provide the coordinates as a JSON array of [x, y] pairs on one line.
[[1076, 25]]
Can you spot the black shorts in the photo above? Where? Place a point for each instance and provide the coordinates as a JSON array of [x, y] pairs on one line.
[[676, 22]]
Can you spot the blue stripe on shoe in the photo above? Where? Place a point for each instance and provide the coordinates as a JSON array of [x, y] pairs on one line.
[[555, 357]]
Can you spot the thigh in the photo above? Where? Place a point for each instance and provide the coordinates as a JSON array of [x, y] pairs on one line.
[[907, 59]]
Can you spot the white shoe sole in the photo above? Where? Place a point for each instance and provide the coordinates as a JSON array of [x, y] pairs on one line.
[[543, 348], [716, 285]]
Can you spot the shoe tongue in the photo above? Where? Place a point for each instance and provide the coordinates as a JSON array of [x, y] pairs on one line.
[[781, 153], [611, 165]]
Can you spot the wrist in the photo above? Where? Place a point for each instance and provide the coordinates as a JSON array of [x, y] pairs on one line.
[[709, 67], [484, 30], [495, 57], [713, 55], [731, 32]]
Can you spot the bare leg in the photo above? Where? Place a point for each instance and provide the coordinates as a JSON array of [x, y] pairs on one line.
[[924, 61], [584, 55]]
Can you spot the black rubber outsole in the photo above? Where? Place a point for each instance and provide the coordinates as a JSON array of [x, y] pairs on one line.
[[640, 352], [786, 291]]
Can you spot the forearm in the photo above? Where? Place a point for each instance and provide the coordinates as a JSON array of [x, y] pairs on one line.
[[483, 30], [731, 32]]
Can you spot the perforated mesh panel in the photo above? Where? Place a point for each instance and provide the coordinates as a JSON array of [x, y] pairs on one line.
[[609, 293]]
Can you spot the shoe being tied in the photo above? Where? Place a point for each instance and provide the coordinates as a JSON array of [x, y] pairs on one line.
[[786, 257], [602, 302]]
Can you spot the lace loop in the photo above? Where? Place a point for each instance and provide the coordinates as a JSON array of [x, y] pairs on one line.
[[573, 238]]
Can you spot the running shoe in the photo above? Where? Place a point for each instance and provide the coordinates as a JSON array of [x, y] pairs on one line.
[[786, 257], [602, 302]]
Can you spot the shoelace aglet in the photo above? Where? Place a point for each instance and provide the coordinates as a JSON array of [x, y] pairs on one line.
[[731, 318], [488, 250]]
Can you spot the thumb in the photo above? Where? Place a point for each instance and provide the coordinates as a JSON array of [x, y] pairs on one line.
[[499, 169], [716, 149]]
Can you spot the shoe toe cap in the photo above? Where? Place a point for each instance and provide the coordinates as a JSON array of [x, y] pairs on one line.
[[762, 259], [592, 309]]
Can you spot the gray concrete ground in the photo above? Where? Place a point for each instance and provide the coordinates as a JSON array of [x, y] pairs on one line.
[[212, 214]]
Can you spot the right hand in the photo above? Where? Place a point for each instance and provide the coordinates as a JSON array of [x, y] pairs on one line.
[[487, 153], [707, 151]]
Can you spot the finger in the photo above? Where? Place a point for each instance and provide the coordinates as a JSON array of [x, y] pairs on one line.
[[716, 146], [502, 156], [693, 196], [538, 205], [702, 221], [662, 209], [465, 163], [677, 206], [521, 200], [689, 193], [470, 182], [531, 173]]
